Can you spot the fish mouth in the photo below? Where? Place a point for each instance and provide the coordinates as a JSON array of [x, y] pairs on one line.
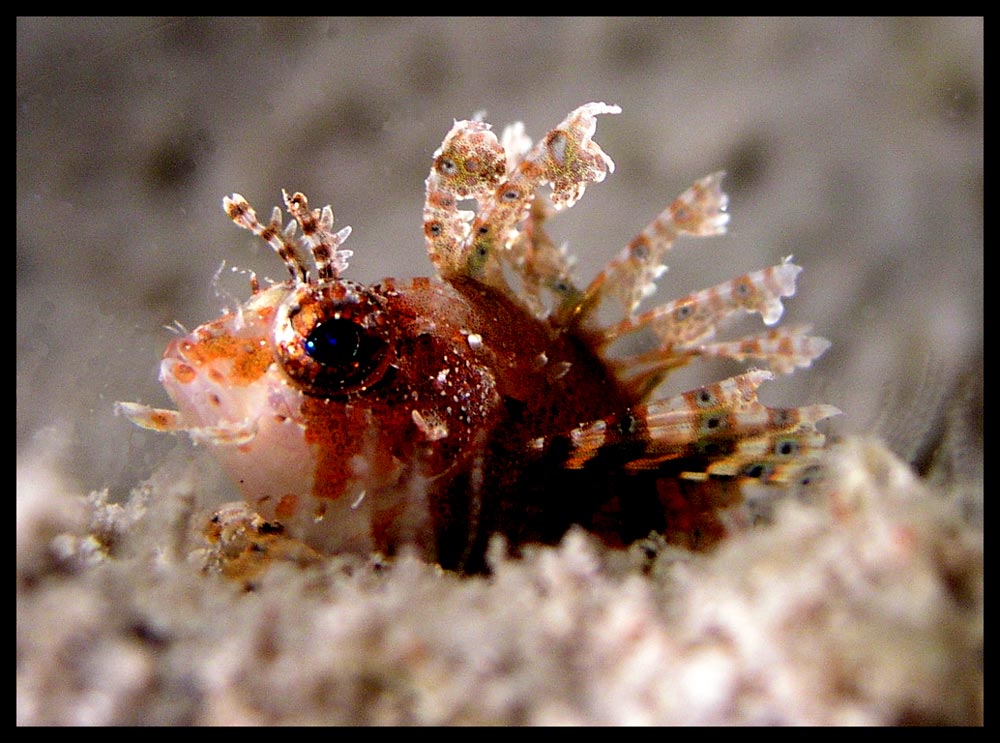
[[176, 365], [174, 350]]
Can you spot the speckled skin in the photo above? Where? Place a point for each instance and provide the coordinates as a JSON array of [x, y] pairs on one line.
[[438, 440]]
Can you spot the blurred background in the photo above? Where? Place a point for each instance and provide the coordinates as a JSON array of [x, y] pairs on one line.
[[855, 145]]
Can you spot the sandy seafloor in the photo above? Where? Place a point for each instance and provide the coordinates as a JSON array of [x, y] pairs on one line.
[[854, 144]]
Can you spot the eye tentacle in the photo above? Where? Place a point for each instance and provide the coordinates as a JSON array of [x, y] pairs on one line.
[[240, 211], [317, 232], [317, 235]]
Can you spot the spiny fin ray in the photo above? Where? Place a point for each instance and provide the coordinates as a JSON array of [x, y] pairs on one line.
[[631, 276], [697, 317], [472, 163], [720, 430]]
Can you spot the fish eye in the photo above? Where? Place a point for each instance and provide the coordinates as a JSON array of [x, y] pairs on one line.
[[334, 343], [333, 339]]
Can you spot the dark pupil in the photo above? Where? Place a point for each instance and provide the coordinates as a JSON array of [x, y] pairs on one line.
[[334, 343]]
